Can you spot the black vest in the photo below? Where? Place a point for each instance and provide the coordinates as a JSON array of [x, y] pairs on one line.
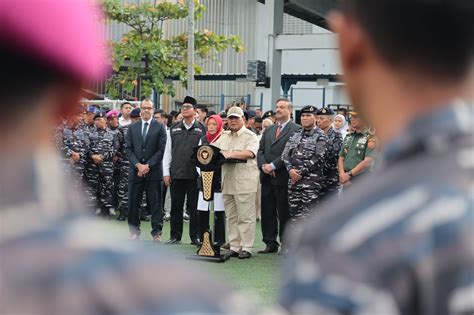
[[182, 143]]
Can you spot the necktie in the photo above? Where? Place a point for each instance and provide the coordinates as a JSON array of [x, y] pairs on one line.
[[145, 127], [277, 133]]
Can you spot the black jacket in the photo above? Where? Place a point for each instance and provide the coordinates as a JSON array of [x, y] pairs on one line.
[[182, 143], [270, 151]]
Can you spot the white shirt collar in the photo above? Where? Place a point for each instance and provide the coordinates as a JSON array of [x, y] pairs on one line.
[[283, 125], [188, 126], [147, 121]]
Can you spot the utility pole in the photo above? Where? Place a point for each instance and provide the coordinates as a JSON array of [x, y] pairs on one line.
[[190, 83]]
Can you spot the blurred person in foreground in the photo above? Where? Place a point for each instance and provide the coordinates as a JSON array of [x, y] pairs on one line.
[[399, 242], [54, 258]]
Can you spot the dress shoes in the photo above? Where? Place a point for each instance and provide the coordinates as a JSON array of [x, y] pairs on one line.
[[268, 250], [226, 246], [196, 242], [157, 239], [121, 218], [172, 241], [230, 254], [244, 255], [145, 218]]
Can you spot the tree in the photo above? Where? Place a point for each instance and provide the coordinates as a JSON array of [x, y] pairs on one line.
[[144, 56]]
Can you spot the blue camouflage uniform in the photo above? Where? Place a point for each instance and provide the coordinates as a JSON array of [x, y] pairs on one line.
[[60, 261], [104, 142], [74, 140], [331, 175], [124, 169], [400, 242], [117, 165], [305, 151]]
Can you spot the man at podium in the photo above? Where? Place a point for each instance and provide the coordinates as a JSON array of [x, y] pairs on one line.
[[239, 183]]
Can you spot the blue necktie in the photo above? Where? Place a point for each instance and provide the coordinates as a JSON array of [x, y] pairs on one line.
[[145, 127]]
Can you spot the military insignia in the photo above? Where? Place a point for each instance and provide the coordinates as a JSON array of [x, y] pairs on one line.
[[311, 109], [371, 144], [323, 111], [205, 154]]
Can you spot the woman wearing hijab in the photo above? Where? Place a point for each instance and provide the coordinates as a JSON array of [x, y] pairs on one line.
[[340, 124], [214, 126]]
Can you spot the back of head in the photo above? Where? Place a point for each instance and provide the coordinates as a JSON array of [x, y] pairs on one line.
[[433, 36]]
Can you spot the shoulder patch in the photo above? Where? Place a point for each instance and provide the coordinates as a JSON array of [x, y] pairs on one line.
[[371, 143]]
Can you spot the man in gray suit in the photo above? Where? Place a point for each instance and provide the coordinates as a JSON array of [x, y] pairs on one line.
[[274, 176], [145, 146]]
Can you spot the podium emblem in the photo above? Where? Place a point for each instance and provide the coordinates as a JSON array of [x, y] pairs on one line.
[[205, 154]]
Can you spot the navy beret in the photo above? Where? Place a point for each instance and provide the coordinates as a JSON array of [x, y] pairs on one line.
[[309, 109], [325, 111], [135, 113]]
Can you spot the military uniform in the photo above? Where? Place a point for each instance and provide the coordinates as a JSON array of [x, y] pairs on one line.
[[60, 261], [331, 177], [400, 242], [117, 165], [124, 169], [331, 184], [357, 146], [100, 176], [305, 151], [74, 140]]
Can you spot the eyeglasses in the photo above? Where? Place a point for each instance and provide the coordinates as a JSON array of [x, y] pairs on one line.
[[147, 108], [186, 106]]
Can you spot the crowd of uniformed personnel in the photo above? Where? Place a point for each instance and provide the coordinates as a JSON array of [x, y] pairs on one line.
[[299, 165]]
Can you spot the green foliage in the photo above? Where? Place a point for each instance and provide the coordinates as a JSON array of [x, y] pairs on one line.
[[144, 55]]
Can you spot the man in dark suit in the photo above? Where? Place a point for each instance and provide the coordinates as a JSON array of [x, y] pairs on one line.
[[274, 176], [146, 141]]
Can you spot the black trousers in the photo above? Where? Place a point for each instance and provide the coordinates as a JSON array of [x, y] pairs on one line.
[[180, 188], [163, 196], [135, 196], [275, 212], [219, 225]]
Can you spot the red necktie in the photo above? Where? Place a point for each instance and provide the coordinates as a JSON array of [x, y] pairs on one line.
[[277, 133]]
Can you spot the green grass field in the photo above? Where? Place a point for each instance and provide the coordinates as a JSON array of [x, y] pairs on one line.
[[257, 276]]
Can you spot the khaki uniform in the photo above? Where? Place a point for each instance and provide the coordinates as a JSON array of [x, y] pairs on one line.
[[239, 188]]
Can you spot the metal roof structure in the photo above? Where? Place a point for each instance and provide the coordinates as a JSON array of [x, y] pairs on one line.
[[312, 11]]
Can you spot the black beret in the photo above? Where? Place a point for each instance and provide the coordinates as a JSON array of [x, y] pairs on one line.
[[135, 113], [100, 114], [250, 113], [190, 100], [267, 114], [325, 111], [309, 109]]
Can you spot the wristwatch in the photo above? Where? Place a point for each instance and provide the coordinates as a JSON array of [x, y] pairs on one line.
[[349, 173]]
